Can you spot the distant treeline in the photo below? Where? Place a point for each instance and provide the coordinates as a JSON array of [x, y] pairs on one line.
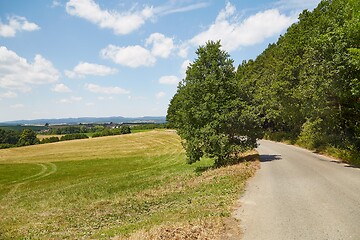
[[66, 137], [112, 129], [110, 132]]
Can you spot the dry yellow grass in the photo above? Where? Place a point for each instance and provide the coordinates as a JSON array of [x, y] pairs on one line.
[[140, 144]]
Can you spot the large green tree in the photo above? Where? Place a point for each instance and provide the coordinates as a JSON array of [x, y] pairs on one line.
[[28, 137], [210, 110]]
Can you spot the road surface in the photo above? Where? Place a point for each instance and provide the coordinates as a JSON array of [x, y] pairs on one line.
[[300, 195]]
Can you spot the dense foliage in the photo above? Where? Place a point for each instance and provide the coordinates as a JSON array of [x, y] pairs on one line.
[[110, 132], [305, 88], [209, 109], [50, 140], [73, 136], [307, 85], [11, 138]]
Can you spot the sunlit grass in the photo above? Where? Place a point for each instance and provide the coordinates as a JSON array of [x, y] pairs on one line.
[[111, 186]]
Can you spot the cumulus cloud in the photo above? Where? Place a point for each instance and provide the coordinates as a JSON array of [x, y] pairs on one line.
[[235, 34], [120, 22], [131, 56], [160, 95], [184, 66], [183, 50], [61, 88], [105, 90], [161, 46], [18, 74], [16, 24], [136, 56], [170, 80], [83, 69]]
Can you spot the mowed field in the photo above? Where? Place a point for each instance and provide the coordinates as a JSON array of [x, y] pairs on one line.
[[135, 186]]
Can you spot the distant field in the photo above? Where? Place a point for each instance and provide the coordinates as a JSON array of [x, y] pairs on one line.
[[135, 186], [41, 136]]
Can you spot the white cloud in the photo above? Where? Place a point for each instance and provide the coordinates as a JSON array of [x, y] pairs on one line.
[[70, 100], [8, 94], [19, 105], [235, 34], [84, 68], [16, 24], [165, 10], [131, 56], [183, 50], [105, 90], [18, 74], [170, 80], [120, 22], [160, 95], [61, 88], [184, 67], [137, 56], [161, 46]]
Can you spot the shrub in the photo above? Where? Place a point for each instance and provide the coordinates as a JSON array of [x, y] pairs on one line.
[[49, 140], [312, 134], [73, 136]]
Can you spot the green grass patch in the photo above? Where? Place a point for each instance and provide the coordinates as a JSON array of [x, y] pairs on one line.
[[135, 185], [140, 130]]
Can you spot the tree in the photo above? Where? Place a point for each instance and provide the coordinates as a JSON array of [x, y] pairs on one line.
[[210, 111], [125, 129], [27, 137]]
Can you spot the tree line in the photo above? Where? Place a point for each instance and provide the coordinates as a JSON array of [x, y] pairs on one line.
[[305, 88], [26, 137], [11, 138]]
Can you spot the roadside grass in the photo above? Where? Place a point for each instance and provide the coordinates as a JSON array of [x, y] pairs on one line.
[[134, 186], [349, 155]]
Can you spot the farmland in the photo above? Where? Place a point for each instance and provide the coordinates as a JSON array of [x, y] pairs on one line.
[[128, 186]]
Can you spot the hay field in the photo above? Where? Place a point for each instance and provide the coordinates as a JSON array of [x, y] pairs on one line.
[[114, 187]]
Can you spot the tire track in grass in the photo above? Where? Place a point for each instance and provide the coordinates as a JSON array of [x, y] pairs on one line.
[[46, 170], [172, 152], [42, 171]]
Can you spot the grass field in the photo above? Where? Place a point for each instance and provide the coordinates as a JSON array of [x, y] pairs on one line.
[[135, 186]]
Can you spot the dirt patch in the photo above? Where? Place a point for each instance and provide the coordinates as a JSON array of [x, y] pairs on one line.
[[202, 230]]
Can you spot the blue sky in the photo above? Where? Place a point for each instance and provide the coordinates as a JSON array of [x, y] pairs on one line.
[[92, 58]]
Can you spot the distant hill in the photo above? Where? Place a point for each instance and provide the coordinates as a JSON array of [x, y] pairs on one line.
[[119, 119]]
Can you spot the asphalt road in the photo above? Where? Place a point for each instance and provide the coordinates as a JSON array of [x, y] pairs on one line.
[[300, 195]]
